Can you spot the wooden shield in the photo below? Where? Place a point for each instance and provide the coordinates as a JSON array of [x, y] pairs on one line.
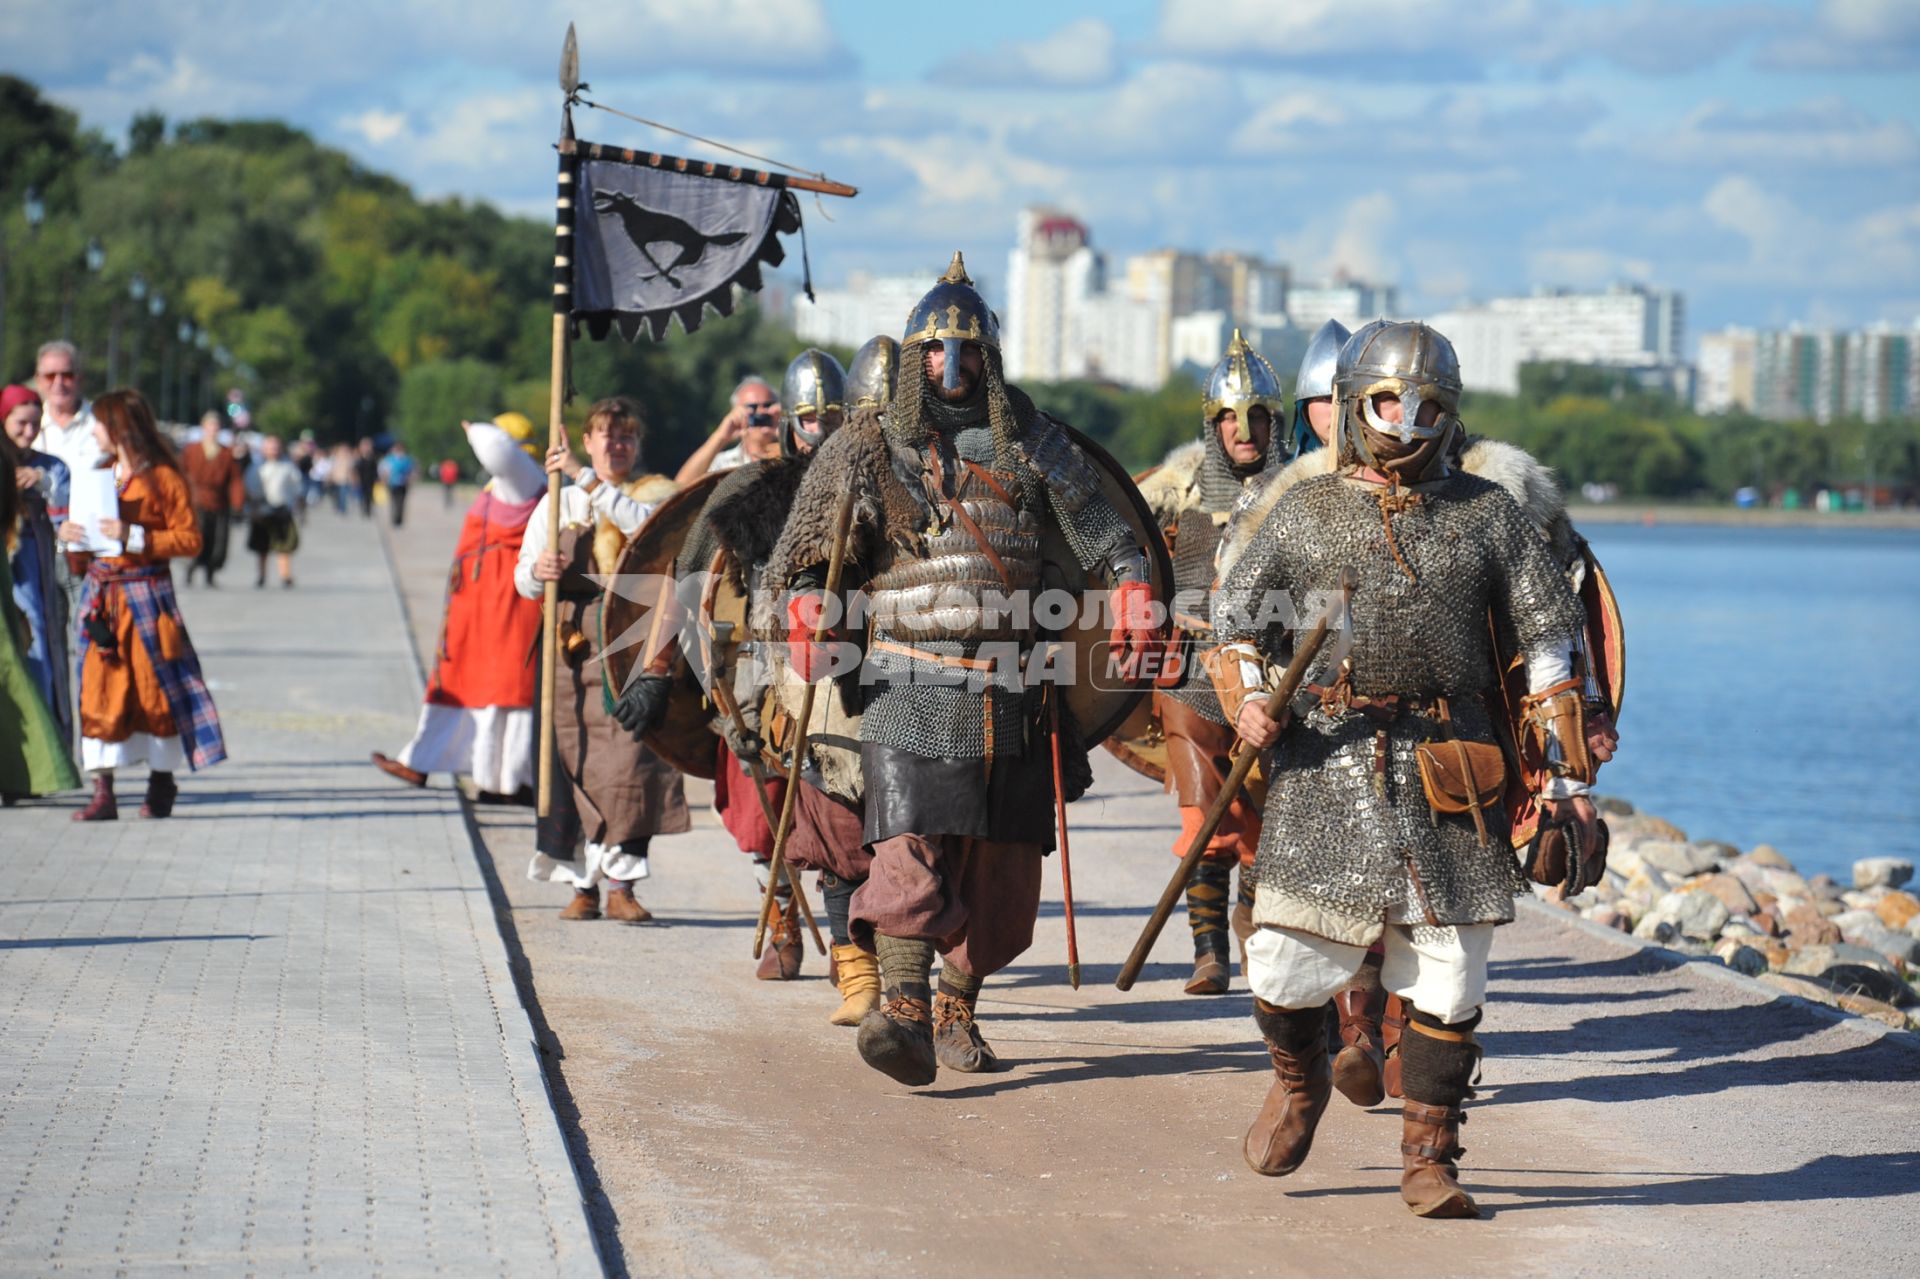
[[1100, 704], [1139, 742], [1606, 650], [684, 739]]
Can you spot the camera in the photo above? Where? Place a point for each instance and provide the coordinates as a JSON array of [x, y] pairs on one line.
[[758, 418]]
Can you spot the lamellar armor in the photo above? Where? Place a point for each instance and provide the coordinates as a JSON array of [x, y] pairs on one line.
[[955, 504]]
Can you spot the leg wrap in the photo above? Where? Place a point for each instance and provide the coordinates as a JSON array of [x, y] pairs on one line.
[[958, 983], [1243, 887], [905, 965], [839, 895], [1294, 1030], [1207, 907], [1438, 1060]]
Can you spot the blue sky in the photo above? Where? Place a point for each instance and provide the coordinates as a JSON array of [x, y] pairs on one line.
[[1761, 155]]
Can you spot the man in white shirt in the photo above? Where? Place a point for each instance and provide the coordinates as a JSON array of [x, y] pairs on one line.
[[66, 420], [748, 433]]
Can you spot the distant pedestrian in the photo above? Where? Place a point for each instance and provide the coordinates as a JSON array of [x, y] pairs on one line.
[[340, 476], [273, 491], [217, 481], [304, 456], [396, 470], [366, 474], [41, 483], [142, 697], [449, 473], [34, 757]]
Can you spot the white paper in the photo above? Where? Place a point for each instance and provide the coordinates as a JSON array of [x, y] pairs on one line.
[[94, 497]]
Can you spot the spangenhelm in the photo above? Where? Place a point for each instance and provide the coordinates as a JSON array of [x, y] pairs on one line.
[[1241, 379], [813, 400], [1315, 381], [875, 372], [952, 314], [1408, 361]]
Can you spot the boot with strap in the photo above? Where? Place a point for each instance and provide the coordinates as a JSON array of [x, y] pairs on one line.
[[1282, 1133], [1357, 1066], [780, 960], [1392, 1027], [896, 1038], [102, 807], [957, 1042], [624, 908], [857, 974], [1207, 916], [1438, 1062], [161, 792]]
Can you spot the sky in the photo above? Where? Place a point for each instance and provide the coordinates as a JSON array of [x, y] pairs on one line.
[[1762, 156]]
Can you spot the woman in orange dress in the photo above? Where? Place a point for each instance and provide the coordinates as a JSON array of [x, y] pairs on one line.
[[142, 697]]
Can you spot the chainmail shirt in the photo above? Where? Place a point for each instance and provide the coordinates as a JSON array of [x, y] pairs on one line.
[[1349, 843]]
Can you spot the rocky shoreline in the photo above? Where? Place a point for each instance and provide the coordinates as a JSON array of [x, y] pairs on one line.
[[1853, 947]]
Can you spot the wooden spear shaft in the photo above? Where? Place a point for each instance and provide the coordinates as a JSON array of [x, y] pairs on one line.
[[836, 562], [757, 771], [556, 435]]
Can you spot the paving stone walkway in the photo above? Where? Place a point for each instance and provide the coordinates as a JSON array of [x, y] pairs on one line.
[[277, 1032]]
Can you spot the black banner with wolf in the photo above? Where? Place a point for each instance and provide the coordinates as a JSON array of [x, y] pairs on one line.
[[652, 242]]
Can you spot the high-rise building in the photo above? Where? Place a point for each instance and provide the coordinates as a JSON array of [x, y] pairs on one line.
[[1823, 374], [1726, 368], [1628, 326], [1052, 267], [868, 305], [1352, 302]]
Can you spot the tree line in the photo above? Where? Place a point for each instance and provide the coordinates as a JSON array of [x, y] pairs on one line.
[[345, 305]]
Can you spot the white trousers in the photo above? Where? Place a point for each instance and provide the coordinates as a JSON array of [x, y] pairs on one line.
[[161, 754], [596, 864], [1441, 971], [491, 744]]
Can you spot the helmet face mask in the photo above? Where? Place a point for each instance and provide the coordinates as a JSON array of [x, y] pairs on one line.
[[813, 401], [1416, 366]]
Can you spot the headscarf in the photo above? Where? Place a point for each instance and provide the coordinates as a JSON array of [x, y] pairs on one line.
[[16, 395]]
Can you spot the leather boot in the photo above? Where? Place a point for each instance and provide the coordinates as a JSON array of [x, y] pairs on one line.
[[1282, 1132], [1391, 1028], [623, 907], [956, 1040], [780, 961], [896, 1039], [1429, 1147], [585, 905], [101, 808], [1207, 916], [858, 974], [400, 772], [161, 792], [1357, 1068]]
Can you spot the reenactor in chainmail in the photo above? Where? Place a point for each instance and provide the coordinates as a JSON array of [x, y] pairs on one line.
[[743, 516], [1383, 818], [953, 488], [1192, 493]]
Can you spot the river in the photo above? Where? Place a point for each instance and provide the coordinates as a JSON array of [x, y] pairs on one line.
[[1773, 686]]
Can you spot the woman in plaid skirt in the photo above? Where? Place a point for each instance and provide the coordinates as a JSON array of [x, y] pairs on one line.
[[142, 698]]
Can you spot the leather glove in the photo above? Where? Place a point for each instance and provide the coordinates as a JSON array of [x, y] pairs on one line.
[[643, 704], [810, 660], [1134, 634], [744, 745]]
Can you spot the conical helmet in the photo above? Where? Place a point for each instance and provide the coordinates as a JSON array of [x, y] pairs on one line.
[[813, 400], [1316, 380], [875, 373], [952, 313], [1242, 379]]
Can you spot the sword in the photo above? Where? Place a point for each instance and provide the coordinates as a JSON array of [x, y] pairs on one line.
[[1243, 760]]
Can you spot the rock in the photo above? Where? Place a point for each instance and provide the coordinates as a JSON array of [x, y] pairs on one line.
[[1656, 928], [1813, 961], [1913, 925], [1732, 893], [1889, 872], [1896, 909], [1867, 1006], [1785, 883], [1803, 987], [1754, 877], [1740, 957], [1677, 858], [1824, 889], [1769, 856], [1623, 860], [1609, 917], [1808, 927], [1765, 922], [1863, 898], [1740, 926], [1722, 851], [1858, 979], [1773, 949], [1863, 929], [1830, 907], [1648, 885], [1612, 806], [1700, 916]]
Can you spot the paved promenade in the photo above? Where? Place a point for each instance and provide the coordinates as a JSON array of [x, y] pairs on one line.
[[275, 1033]]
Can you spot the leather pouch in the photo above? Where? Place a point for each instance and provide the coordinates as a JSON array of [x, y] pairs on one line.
[[1460, 777]]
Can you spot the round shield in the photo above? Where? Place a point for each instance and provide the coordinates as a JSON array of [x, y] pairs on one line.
[[642, 576], [1139, 742], [1099, 702]]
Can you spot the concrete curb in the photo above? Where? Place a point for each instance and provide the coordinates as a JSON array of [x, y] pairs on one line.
[[503, 979], [1714, 970]]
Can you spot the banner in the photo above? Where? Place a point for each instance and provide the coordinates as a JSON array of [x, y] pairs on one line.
[[652, 243]]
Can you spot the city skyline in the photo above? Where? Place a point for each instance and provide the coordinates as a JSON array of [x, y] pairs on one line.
[[1760, 158]]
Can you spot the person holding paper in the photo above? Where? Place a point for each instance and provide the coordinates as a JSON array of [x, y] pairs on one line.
[[142, 697]]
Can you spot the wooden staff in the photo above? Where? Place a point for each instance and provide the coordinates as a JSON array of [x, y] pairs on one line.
[[836, 561], [1066, 867], [1243, 760], [556, 436]]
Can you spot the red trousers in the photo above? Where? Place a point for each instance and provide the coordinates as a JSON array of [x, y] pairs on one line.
[[975, 899]]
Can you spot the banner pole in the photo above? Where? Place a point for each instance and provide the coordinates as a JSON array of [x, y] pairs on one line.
[[556, 436]]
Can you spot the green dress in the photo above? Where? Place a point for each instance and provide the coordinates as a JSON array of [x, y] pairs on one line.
[[33, 757]]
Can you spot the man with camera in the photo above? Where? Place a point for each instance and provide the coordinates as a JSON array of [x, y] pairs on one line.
[[748, 433]]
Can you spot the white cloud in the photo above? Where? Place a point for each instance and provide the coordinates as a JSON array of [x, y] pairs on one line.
[[376, 126], [1357, 238], [1081, 54], [1585, 268], [1851, 35], [1788, 247], [1824, 133]]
